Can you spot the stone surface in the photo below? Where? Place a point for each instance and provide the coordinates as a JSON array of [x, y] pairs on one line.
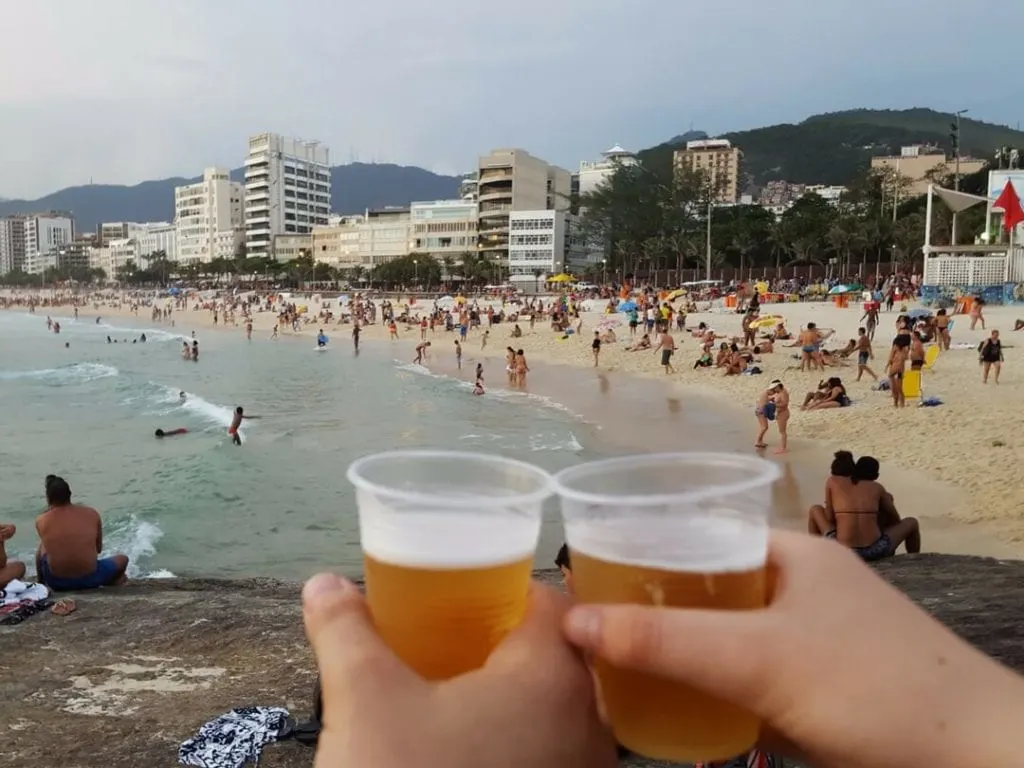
[[135, 671]]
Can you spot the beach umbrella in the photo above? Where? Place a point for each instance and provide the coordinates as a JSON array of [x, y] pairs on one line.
[[917, 314], [839, 289], [766, 321], [676, 294], [626, 306]]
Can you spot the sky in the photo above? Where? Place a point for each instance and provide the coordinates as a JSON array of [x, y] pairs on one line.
[[121, 91]]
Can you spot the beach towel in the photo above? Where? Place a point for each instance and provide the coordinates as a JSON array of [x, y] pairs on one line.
[[235, 738], [930, 402]]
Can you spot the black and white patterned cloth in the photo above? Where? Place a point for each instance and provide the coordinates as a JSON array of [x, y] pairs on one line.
[[234, 739]]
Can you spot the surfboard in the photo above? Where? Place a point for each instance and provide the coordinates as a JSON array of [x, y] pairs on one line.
[[320, 349]]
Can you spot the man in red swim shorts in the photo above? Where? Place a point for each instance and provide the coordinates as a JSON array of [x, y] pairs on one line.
[[236, 422]]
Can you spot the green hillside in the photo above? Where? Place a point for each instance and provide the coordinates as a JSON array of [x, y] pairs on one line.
[[833, 148]]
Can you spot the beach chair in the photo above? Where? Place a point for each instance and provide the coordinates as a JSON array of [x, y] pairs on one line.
[[930, 356], [912, 384]]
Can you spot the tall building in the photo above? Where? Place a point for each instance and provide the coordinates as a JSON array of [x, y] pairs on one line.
[[45, 234], [444, 228], [594, 173], [513, 180], [718, 160], [537, 247], [12, 244], [208, 218], [154, 237], [287, 189]]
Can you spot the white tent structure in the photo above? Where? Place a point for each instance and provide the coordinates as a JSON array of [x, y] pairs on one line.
[[976, 268]]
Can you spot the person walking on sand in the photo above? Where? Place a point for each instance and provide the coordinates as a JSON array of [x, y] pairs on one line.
[[781, 399], [895, 368], [990, 355], [977, 314], [595, 347], [864, 354], [458, 354], [667, 348]]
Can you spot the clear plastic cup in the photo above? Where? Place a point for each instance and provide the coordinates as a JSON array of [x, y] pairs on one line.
[[675, 530], [448, 544]]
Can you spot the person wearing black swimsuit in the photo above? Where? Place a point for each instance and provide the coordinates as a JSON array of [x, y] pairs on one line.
[[991, 357]]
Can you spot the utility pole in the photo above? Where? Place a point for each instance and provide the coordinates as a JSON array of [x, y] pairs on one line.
[[954, 137]]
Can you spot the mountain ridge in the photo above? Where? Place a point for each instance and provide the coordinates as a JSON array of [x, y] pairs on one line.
[[354, 187]]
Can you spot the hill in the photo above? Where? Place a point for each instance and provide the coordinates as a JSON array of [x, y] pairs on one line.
[[355, 187], [833, 148]]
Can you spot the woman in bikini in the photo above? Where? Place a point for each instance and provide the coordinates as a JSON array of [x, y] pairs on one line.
[[942, 329], [851, 512], [977, 314], [894, 369], [916, 353], [521, 368], [510, 364], [835, 397]]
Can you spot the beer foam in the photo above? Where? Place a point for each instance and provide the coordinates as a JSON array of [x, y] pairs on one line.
[[445, 539], [687, 543]]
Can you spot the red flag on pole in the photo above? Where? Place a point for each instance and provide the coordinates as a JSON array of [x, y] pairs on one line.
[[1008, 200]]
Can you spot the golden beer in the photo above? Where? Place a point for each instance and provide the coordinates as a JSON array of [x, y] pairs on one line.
[[443, 621], [651, 715]]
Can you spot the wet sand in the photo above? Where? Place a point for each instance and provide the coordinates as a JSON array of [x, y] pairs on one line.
[[644, 415]]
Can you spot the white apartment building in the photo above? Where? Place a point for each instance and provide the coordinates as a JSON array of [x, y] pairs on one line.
[[208, 217], [444, 228], [513, 180], [338, 244], [594, 173], [155, 236], [12, 244], [384, 235], [287, 189], [536, 247], [290, 247], [45, 233]]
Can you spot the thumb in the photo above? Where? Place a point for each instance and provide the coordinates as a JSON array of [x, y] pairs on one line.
[[724, 653], [350, 654]]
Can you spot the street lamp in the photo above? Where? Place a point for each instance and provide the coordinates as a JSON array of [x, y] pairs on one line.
[[604, 272], [416, 270], [956, 170]]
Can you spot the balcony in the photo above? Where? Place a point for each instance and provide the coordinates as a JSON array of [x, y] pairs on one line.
[[497, 175], [490, 210], [489, 193]]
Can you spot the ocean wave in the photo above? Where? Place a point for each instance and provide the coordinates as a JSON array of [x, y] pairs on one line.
[[65, 374], [534, 442], [137, 539], [152, 334], [542, 400], [163, 400]]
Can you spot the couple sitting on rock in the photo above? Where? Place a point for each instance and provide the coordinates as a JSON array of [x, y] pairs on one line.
[[71, 539], [860, 513]]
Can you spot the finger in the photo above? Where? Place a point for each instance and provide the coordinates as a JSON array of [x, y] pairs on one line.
[[349, 652], [545, 611]]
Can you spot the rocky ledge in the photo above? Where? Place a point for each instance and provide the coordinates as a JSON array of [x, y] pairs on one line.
[[135, 671]]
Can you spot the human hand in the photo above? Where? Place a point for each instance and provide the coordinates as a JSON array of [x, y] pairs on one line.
[[532, 704], [843, 669]]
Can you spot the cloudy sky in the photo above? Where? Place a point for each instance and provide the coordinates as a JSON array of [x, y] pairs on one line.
[[120, 91]]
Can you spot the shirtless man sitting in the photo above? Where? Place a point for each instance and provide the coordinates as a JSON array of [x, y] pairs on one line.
[[855, 510], [9, 569], [71, 539]]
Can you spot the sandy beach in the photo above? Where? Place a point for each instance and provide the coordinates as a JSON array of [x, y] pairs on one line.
[[956, 461]]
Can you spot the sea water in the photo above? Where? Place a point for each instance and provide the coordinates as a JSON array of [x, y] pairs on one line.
[[195, 505]]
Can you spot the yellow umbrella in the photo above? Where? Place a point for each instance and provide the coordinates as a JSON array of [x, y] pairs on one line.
[[766, 321], [562, 278], [676, 294]]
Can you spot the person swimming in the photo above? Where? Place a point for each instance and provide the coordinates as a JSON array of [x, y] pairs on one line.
[[236, 422], [321, 339], [170, 432], [182, 397]]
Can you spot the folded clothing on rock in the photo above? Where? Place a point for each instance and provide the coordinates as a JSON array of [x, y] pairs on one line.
[[235, 738]]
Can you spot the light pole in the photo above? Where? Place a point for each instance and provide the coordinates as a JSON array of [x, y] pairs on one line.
[[956, 170], [604, 272], [416, 270], [707, 253]]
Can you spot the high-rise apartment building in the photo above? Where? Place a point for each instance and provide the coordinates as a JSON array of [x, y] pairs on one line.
[[12, 244], [718, 161], [208, 218], [287, 189], [513, 180], [45, 235]]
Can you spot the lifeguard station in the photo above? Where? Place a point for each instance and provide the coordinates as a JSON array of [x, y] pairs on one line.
[[955, 274]]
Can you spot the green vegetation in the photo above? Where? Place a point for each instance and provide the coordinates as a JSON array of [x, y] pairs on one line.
[[655, 224], [834, 148]]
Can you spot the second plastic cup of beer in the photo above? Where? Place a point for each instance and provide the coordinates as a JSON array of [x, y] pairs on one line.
[[684, 530], [448, 543]]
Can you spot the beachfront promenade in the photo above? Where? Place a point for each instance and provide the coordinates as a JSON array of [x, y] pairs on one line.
[[136, 670]]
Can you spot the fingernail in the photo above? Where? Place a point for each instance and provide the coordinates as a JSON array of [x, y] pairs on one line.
[[583, 625], [321, 585]]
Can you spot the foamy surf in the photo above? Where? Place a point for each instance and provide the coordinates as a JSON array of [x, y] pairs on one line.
[[65, 374], [137, 539]]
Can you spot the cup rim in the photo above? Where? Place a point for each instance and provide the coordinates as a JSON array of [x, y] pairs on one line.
[[766, 473], [354, 476]]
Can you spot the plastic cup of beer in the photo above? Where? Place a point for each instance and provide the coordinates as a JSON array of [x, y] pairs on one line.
[[678, 530], [448, 544]]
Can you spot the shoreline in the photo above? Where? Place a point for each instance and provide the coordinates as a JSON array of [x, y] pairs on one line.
[[641, 409]]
